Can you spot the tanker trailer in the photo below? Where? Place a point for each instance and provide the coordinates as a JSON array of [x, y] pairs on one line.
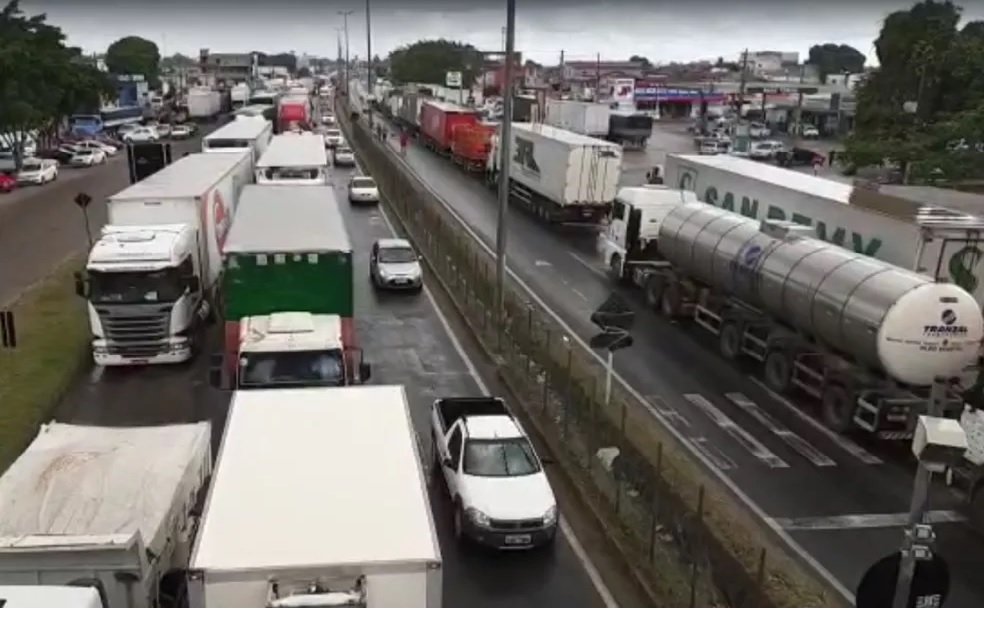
[[863, 337]]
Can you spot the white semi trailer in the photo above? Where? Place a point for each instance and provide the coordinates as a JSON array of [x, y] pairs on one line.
[[102, 516], [861, 336]]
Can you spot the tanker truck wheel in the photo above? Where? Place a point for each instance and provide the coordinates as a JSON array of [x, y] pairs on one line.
[[778, 370], [729, 340], [615, 269], [669, 304], [837, 409], [654, 292]]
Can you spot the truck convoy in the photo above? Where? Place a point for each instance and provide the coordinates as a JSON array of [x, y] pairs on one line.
[[318, 500], [861, 336], [943, 244], [288, 291], [253, 134], [470, 145], [203, 104], [150, 277], [630, 129], [438, 120], [106, 512], [557, 175], [585, 118], [294, 159]]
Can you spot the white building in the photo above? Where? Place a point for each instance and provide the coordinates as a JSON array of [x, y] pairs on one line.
[[770, 61]]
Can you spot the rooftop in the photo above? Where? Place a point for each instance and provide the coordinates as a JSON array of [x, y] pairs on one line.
[[563, 135], [298, 150], [123, 244], [291, 330], [190, 176], [272, 219], [492, 428], [393, 243], [342, 483]]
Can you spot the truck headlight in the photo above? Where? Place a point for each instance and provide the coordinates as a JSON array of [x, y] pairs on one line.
[[477, 517], [550, 517]]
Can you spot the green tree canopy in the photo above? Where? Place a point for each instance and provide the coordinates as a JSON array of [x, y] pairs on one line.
[[921, 108], [428, 61], [134, 55], [832, 59], [42, 80]]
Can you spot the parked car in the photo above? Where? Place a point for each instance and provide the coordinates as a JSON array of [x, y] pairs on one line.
[[712, 146], [7, 183], [180, 132], [163, 129], [809, 131], [333, 137], [38, 171], [765, 150], [758, 131], [87, 158], [96, 145], [797, 157], [393, 264], [124, 129], [344, 156], [142, 134], [363, 189], [328, 118]]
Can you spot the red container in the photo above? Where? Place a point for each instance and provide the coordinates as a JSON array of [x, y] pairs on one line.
[[470, 144], [290, 111], [438, 121]]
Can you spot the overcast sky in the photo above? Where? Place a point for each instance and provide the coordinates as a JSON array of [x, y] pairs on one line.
[[661, 30]]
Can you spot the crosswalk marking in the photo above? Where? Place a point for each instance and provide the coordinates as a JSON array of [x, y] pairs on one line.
[[846, 444], [712, 453], [795, 442], [705, 446], [729, 426]]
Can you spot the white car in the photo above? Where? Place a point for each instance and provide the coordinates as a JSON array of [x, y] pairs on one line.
[[344, 156], [758, 131], [328, 118], [393, 264], [37, 171], [95, 145], [363, 189], [163, 129], [333, 138], [142, 134], [501, 495], [126, 128], [711, 146], [809, 131], [180, 132], [87, 158], [765, 150]]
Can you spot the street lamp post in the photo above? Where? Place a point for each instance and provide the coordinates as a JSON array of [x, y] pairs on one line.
[[369, 62], [345, 15], [505, 139]]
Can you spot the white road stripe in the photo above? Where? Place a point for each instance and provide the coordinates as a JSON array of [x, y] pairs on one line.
[[541, 263], [795, 442], [715, 455], [663, 408], [729, 426], [580, 295], [864, 521], [592, 267], [846, 444], [565, 529]]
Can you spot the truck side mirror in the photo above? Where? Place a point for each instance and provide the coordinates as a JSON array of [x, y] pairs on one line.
[[365, 371], [80, 288]]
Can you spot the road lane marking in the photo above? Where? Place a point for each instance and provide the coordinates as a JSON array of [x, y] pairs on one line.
[[795, 442], [585, 263], [847, 595], [589, 568], [541, 263], [580, 295], [846, 444], [864, 521], [720, 460], [664, 409], [729, 426]]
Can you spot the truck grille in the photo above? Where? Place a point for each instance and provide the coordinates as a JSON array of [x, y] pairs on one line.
[[135, 330], [512, 525]]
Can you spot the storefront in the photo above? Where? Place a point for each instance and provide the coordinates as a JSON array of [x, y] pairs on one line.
[[674, 102]]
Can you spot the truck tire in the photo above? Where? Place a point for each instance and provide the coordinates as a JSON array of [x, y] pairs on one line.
[[615, 269], [669, 303], [778, 370], [729, 340], [654, 291], [837, 409]]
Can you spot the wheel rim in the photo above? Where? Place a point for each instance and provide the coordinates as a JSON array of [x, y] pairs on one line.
[[835, 409], [615, 268], [777, 371]]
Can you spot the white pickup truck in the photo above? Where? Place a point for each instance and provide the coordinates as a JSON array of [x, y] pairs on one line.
[[495, 479]]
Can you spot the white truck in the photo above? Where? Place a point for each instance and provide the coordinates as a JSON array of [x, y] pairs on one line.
[[294, 159], [862, 337], [203, 104], [557, 175], [102, 516], [151, 276], [319, 499], [585, 118], [941, 242], [252, 133], [501, 495], [239, 95]]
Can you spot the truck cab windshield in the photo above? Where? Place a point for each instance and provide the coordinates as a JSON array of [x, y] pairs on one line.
[[128, 287], [289, 369]]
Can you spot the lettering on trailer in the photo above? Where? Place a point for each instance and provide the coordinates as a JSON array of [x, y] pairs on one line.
[[220, 217], [524, 155], [749, 207], [948, 326]]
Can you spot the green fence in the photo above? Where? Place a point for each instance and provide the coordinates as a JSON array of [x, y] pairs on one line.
[[686, 536]]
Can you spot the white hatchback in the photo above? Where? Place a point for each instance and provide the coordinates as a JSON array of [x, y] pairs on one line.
[[363, 189]]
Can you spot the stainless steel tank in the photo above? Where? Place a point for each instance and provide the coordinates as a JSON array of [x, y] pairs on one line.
[[884, 316]]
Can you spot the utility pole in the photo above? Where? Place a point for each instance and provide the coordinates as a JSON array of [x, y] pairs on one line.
[[505, 156], [562, 71], [598, 77], [345, 15], [741, 86], [369, 62]]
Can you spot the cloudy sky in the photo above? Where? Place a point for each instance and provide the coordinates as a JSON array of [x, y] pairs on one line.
[[661, 30]]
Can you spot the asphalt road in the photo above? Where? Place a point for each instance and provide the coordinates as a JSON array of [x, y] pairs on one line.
[[842, 500], [407, 343]]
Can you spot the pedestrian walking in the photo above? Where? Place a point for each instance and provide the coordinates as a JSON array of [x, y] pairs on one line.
[[817, 163], [404, 141]]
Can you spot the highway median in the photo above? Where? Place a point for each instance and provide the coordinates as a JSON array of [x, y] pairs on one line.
[[692, 543]]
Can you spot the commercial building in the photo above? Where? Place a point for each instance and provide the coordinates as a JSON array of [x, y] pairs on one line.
[[227, 69]]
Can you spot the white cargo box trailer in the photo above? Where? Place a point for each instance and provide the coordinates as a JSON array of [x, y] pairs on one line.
[[943, 243], [253, 134], [104, 509], [203, 103], [586, 118], [318, 500], [558, 175]]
